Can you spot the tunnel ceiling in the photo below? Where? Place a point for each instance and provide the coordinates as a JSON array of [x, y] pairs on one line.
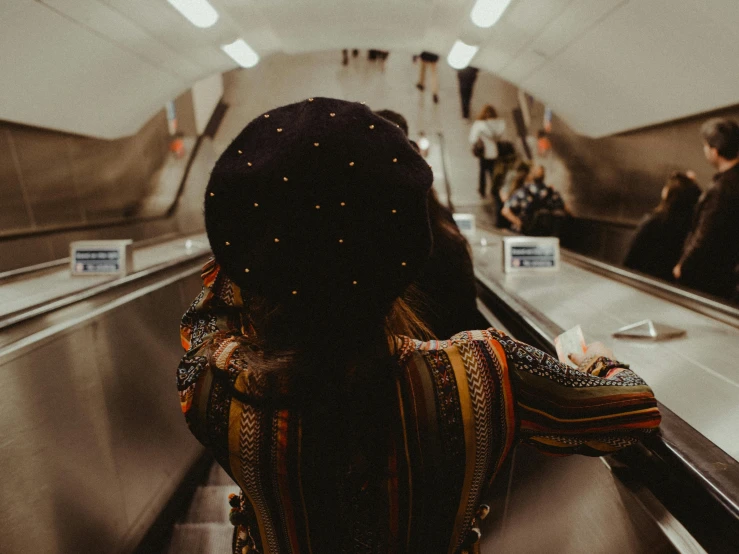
[[104, 67]]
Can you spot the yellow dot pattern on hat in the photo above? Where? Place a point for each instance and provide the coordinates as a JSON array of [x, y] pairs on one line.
[[332, 114], [256, 204], [354, 282], [228, 243], [284, 179], [318, 207], [277, 240], [315, 144], [351, 164], [266, 115], [372, 126], [341, 241], [295, 292], [395, 211], [279, 129], [343, 204], [248, 163], [395, 160], [246, 270], [240, 152], [403, 264], [310, 99], [212, 193]]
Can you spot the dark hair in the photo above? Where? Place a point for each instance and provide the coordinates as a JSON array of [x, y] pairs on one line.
[[723, 135], [681, 198], [522, 172], [487, 112], [394, 117]]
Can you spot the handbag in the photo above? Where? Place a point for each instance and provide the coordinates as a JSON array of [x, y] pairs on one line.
[[478, 148]]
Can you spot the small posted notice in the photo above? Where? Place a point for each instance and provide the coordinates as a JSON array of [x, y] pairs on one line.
[[571, 341]]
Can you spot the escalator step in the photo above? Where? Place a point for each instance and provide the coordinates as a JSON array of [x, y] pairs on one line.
[[201, 538], [210, 505]]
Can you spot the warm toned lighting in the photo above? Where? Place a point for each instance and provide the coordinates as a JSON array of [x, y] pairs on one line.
[[486, 13], [198, 12], [461, 54], [242, 54]]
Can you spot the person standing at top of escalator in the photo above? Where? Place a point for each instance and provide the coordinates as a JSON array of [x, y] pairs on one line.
[[485, 133], [306, 373], [429, 62], [711, 254]]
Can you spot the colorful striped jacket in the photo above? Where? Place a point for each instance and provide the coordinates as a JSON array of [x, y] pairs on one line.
[[461, 405]]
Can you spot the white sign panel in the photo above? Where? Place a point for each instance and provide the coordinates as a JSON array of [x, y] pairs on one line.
[[526, 254], [466, 224], [101, 257]]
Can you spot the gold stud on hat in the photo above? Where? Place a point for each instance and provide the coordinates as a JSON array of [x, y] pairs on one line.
[[279, 129], [395, 160], [343, 204], [240, 152], [295, 292], [315, 144], [277, 240], [310, 99], [284, 179], [372, 126], [341, 241], [318, 207], [403, 264], [332, 114], [228, 243], [266, 115], [354, 282], [212, 193], [395, 211], [351, 164], [256, 204], [246, 270], [248, 163]]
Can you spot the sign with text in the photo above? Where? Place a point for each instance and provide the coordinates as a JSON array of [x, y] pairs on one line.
[[466, 224], [525, 254], [101, 257]]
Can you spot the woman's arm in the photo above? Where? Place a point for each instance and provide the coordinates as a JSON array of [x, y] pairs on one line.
[[510, 216], [594, 410]]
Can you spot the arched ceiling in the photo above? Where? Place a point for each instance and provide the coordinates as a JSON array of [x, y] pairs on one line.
[[103, 67]]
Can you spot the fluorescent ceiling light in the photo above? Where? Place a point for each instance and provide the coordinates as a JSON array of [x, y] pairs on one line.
[[461, 54], [486, 13], [198, 12], [241, 53]]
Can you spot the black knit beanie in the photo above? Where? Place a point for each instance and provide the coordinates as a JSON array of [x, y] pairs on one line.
[[321, 207]]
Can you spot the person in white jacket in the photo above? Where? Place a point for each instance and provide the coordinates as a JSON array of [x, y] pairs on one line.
[[489, 129]]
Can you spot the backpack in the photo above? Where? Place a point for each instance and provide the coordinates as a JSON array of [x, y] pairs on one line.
[[544, 222], [478, 149]]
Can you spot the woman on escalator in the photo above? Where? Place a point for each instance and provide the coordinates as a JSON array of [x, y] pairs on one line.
[[317, 388]]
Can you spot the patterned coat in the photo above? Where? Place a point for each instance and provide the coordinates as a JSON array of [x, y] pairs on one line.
[[461, 405]]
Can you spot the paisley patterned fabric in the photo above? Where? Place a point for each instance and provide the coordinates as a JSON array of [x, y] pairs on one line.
[[460, 407]]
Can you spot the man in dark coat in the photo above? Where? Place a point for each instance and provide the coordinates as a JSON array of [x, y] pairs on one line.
[[467, 78], [711, 253]]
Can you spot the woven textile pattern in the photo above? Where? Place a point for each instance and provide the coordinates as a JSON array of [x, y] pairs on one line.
[[462, 404]]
